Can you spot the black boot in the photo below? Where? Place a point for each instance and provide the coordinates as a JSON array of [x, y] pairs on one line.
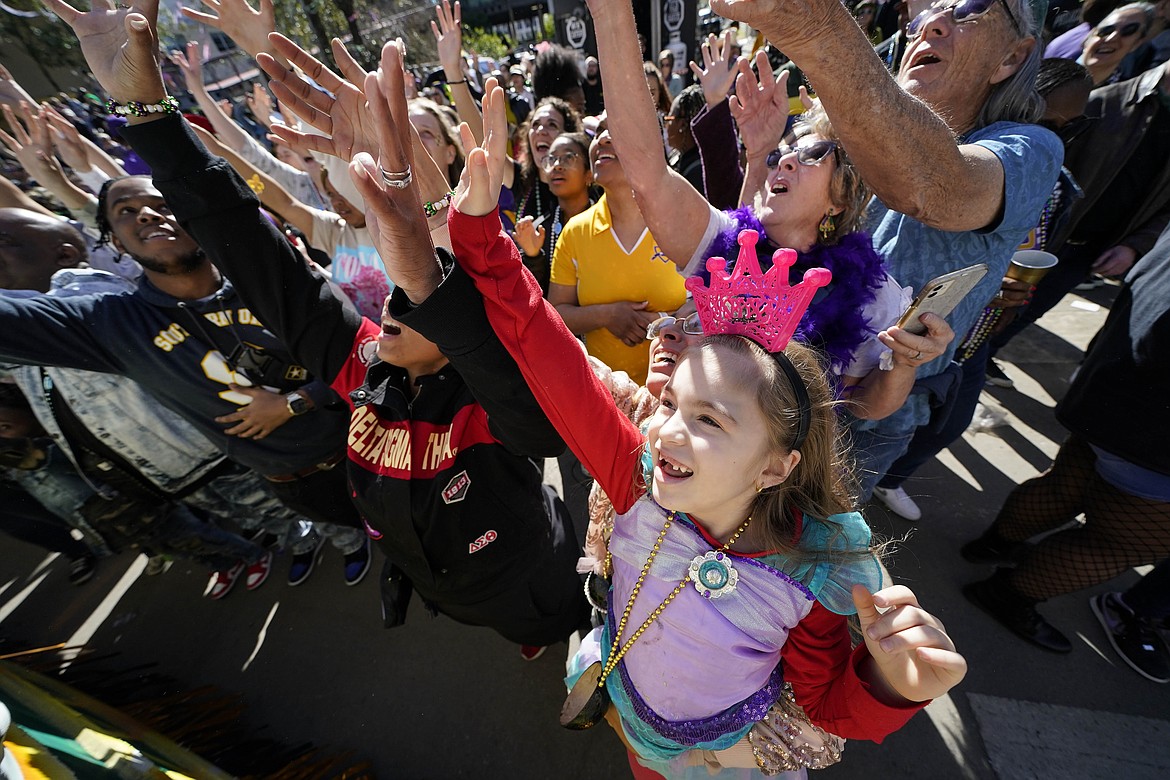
[[998, 598], [993, 548]]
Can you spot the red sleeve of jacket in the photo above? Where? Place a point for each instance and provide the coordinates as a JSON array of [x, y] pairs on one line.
[[550, 357], [823, 670], [361, 354]]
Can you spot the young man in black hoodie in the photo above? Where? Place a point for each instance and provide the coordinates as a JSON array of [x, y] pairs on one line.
[[448, 482], [187, 337]]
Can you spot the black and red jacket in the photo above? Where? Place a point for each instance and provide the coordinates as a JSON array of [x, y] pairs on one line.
[[449, 483]]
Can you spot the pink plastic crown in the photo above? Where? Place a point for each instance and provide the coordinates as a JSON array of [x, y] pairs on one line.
[[749, 302]]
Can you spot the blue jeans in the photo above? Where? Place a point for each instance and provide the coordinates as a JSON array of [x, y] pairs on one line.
[[874, 452], [247, 499], [179, 532], [927, 443], [323, 497]]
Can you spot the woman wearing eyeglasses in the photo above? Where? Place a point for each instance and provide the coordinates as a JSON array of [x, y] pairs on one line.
[[1111, 41], [804, 195], [569, 180]]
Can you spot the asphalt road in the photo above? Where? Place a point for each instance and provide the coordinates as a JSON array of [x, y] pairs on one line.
[[433, 699]]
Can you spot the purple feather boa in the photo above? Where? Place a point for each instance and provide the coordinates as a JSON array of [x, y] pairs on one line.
[[835, 323]]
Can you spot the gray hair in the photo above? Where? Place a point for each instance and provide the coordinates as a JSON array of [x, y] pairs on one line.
[[1148, 10], [1015, 99]]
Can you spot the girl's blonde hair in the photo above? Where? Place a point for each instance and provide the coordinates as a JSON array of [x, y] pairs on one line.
[[821, 484]]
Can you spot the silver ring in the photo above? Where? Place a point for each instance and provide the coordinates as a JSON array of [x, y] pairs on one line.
[[399, 180], [917, 356]]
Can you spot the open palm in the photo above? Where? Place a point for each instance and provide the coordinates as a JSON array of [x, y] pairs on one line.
[[123, 59], [760, 107], [345, 118]]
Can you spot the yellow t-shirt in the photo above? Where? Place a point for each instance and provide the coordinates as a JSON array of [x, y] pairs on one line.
[[589, 257]]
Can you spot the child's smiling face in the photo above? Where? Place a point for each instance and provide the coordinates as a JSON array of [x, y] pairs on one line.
[[709, 440]]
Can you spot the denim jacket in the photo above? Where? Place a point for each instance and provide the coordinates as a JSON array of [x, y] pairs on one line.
[[162, 446]]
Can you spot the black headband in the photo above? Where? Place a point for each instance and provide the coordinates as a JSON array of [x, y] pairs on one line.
[[803, 404]]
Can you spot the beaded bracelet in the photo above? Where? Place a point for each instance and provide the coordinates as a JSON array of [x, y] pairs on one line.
[[433, 208], [460, 81], [168, 105]]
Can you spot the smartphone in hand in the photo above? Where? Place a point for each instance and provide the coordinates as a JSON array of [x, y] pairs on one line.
[[940, 296]]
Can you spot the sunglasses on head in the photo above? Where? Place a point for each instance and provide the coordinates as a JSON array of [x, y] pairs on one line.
[[806, 154], [961, 11], [690, 325], [1125, 30]]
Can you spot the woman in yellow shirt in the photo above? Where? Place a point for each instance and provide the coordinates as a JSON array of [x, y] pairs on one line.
[[609, 277]]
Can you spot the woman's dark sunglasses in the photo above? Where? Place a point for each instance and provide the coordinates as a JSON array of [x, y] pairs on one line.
[[1125, 30], [806, 154], [690, 325], [961, 11]]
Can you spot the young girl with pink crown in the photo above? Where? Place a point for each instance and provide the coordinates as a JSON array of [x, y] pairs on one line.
[[736, 558]]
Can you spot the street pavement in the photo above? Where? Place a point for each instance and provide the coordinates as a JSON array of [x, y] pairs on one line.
[[434, 699]]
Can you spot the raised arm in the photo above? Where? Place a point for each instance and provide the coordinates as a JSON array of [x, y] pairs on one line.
[[11, 92], [880, 124], [249, 27], [272, 195], [208, 198], [190, 63], [713, 129], [11, 196], [760, 108], [345, 121], [33, 148], [551, 360], [70, 142], [87, 159], [675, 212], [448, 31], [434, 296]]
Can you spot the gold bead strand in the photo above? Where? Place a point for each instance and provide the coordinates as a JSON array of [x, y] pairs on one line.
[[617, 649]]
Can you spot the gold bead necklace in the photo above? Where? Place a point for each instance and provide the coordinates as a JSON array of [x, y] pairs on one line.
[[617, 651]]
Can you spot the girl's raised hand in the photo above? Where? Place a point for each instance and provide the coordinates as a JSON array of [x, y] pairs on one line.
[[478, 192], [913, 654], [120, 47]]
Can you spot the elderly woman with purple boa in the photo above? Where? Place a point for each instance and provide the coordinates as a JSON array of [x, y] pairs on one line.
[[802, 193]]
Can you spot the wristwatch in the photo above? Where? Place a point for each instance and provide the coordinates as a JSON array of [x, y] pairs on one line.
[[297, 403]]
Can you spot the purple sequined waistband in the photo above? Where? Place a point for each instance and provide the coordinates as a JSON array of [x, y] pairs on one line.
[[692, 732]]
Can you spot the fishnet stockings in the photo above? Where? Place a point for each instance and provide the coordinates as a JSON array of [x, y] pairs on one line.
[[1121, 531]]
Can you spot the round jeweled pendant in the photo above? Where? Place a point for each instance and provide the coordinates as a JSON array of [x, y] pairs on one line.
[[713, 574]]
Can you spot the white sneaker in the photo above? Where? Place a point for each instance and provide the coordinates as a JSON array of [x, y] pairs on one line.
[[898, 502]]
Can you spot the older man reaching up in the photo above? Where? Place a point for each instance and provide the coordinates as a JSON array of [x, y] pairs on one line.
[[959, 170]]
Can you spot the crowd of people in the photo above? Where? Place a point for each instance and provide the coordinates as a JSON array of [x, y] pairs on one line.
[[365, 307]]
